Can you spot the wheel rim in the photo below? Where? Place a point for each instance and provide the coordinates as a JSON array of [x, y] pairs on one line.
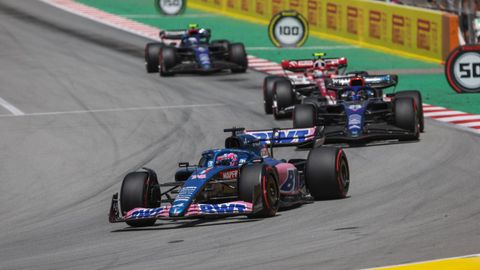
[[270, 192], [344, 176]]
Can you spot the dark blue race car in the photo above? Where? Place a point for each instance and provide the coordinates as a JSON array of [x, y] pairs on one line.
[[190, 51], [362, 112], [241, 179]]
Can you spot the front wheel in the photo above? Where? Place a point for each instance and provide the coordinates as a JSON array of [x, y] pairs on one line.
[[283, 97], [417, 97], [406, 116], [167, 60], [139, 190], [268, 91], [327, 174], [258, 185], [152, 51]]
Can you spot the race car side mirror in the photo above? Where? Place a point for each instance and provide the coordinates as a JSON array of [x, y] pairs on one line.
[[183, 164]]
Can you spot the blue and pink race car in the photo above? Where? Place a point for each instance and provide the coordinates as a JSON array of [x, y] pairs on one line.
[[241, 179]]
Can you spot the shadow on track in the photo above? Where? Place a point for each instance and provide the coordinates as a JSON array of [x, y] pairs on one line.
[[173, 225]]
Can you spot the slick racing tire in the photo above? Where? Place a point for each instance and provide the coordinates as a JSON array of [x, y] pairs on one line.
[[268, 91], [258, 183], [167, 60], [139, 189], [283, 97], [406, 116], [304, 116], [237, 55], [417, 97], [327, 174], [152, 51]]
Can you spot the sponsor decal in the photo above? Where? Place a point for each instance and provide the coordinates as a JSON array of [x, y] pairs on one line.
[[423, 31], [285, 136], [352, 20], [313, 12], [199, 176], [244, 5], [185, 193], [277, 6], [260, 6], [398, 29], [332, 16], [224, 208], [375, 24], [232, 174], [355, 107], [354, 120], [145, 212]]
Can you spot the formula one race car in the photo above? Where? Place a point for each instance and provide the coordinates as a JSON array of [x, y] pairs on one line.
[[362, 112], [302, 78], [190, 51], [241, 179]]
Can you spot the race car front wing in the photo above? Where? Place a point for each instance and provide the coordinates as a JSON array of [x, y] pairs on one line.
[[234, 208]]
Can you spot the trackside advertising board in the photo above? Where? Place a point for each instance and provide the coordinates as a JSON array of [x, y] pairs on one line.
[[420, 33]]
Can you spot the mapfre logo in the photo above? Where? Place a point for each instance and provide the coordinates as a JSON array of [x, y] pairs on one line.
[[229, 175]]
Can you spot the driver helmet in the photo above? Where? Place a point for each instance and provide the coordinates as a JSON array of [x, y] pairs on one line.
[[227, 159], [319, 64], [192, 29]]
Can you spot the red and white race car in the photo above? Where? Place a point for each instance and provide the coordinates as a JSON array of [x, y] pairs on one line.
[[303, 78]]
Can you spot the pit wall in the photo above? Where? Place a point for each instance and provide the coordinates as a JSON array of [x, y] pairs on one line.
[[412, 32]]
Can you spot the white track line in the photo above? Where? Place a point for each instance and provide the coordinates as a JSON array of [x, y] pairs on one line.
[[9, 107], [167, 107]]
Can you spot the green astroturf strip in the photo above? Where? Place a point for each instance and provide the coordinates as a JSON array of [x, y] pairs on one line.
[[434, 87]]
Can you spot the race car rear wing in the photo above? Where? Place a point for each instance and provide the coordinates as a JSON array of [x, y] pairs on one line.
[[175, 34], [287, 136], [373, 81], [301, 65]]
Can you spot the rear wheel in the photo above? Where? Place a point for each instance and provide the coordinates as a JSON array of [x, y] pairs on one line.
[[238, 56], [139, 189], [406, 116], [282, 98], [258, 183], [327, 175], [304, 116], [268, 91], [417, 97], [152, 51], [167, 60]]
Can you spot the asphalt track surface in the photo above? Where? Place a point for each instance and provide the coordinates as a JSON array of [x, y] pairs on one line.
[[92, 114]]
